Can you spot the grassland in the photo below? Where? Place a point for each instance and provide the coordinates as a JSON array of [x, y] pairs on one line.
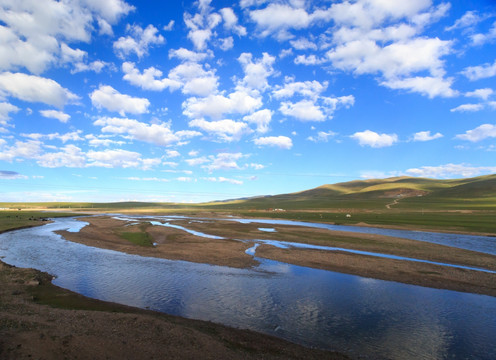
[[460, 205]]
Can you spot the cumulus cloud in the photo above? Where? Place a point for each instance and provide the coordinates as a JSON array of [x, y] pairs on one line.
[[304, 110], [479, 133], [33, 88], [261, 119], [375, 140], [450, 171], [138, 42], [111, 158], [256, 71], [5, 110], [54, 114], [480, 93], [34, 31], [224, 130], [109, 98], [231, 21], [150, 79], [223, 161], [313, 106], [194, 79], [282, 142], [322, 136], [480, 71], [21, 150], [426, 136], [223, 180], [187, 55], [468, 108], [428, 85], [68, 156], [279, 19], [158, 134], [201, 24], [215, 106]]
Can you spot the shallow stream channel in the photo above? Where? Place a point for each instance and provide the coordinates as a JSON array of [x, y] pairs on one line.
[[360, 316]]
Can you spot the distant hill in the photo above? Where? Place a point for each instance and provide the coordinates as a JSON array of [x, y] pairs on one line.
[[398, 192]]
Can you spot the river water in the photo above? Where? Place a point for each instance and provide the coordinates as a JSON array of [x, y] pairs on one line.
[[357, 315]]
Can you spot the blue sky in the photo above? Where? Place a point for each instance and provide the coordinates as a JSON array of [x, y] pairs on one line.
[[207, 100]]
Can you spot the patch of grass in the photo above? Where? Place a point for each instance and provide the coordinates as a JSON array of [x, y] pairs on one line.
[[16, 219], [140, 238]]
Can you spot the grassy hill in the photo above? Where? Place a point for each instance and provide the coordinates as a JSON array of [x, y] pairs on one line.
[[399, 192]]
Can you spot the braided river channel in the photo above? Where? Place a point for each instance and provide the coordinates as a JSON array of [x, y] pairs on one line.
[[359, 316]]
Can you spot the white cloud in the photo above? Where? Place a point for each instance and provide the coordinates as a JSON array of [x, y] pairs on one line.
[[70, 136], [261, 119], [479, 133], [311, 89], [468, 107], [5, 110], [231, 21], [304, 110], [95, 66], [21, 150], [187, 55], [429, 86], [215, 106], [224, 130], [322, 136], [226, 43], [223, 179], [374, 140], [150, 79], [314, 106], [201, 24], [309, 60], [224, 161], [279, 19], [169, 26], [119, 158], [68, 156], [155, 179], [194, 79], [396, 59], [480, 72], [480, 93], [158, 134], [109, 98], [450, 171], [303, 44], [138, 42], [54, 114], [197, 161], [469, 19], [33, 88], [282, 142], [35, 29], [481, 39], [426, 136], [257, 71]]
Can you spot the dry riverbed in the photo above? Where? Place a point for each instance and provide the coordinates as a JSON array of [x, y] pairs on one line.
[[176, 244]]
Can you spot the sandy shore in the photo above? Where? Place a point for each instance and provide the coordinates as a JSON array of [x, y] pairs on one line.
[[41, 321], [177, 244]]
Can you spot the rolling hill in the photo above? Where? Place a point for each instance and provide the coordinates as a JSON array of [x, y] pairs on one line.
[[398, 192]]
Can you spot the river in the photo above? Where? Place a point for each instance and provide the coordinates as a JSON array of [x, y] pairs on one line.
[[353, 314]]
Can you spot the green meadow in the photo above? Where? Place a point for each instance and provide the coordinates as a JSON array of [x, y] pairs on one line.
[[444, 205]]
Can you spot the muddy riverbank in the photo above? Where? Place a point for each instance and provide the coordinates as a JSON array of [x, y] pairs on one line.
[[177, 244]]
